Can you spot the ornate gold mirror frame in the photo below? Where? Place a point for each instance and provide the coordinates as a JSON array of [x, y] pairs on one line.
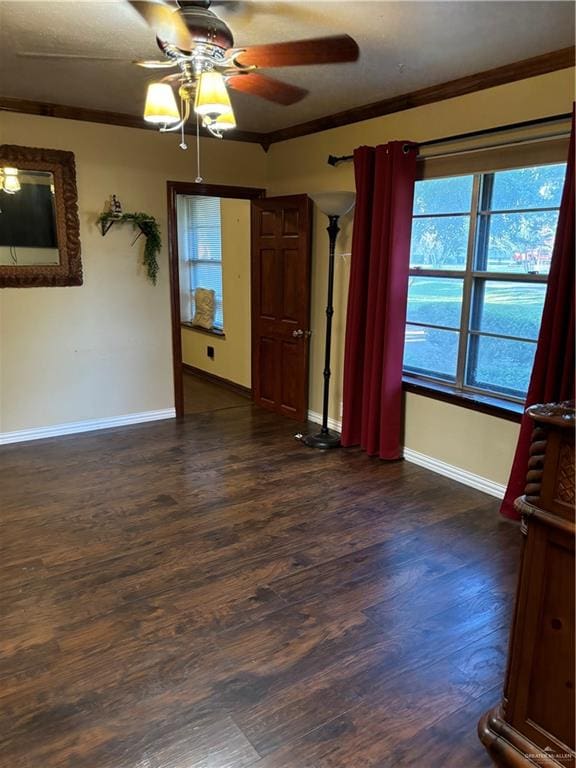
[[63, 168]]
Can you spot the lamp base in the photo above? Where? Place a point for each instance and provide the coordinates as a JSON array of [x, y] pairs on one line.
[[322, 440]]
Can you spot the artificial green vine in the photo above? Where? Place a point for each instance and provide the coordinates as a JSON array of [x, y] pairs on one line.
[[151, 231]]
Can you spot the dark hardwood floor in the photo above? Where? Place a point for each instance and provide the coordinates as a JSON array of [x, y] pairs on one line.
[[201, 396], [213, 594]]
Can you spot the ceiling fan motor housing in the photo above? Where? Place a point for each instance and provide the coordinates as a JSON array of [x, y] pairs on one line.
[[204, 26]]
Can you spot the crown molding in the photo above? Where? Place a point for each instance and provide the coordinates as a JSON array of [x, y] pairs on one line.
[[509, 73], [26, 107]]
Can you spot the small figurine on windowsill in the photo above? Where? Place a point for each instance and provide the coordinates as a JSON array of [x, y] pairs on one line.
[[115, 208]]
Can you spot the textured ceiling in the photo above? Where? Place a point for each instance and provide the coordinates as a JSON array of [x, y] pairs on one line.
[[404, 46]]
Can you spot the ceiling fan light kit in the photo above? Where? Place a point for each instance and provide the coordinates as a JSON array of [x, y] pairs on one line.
[[199, 44], [212, 98], [225, 122], [161, 107], [9, 180]]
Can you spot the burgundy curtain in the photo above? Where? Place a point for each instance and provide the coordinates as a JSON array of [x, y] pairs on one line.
[[377, 297], [553, 372]]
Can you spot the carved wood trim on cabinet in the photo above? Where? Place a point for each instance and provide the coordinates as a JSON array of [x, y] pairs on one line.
[[534, 724]]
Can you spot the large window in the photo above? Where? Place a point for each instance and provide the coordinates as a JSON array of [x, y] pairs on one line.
[[480, 255], [200, 252]]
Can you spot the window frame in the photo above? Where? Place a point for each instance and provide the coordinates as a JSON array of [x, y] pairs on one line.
[[492, 401]]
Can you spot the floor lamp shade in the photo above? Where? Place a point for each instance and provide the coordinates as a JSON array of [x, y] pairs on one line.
[[334, 205]]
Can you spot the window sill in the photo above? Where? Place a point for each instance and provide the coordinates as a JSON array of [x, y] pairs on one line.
[[208, 332], [493, 406]]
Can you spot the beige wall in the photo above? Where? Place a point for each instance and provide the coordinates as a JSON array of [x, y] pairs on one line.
[[103, 349], [480, 444], [232, 353], [474, 442]]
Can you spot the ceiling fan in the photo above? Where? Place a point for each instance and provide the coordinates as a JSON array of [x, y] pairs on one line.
[[200, 46]]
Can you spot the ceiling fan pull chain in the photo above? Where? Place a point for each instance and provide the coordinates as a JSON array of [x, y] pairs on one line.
[[183, 144], [198, 178]]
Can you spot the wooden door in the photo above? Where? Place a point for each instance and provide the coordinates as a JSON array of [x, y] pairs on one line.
[[281, 263]]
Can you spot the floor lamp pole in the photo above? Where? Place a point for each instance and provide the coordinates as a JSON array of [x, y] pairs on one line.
[[325, 438]]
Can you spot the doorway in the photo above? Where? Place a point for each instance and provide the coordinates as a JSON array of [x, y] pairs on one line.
[[250, 256], [203, 221]]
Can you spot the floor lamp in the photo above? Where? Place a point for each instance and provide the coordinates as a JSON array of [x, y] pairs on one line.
[[334, 205]]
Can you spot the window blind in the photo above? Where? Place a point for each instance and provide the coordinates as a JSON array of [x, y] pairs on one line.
[[200, 250], [521, 152]]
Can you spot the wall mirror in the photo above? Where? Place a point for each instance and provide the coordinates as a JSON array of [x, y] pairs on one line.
[[39, 226]]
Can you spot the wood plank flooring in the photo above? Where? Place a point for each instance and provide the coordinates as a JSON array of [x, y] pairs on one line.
[[213, 594], [201, 396]]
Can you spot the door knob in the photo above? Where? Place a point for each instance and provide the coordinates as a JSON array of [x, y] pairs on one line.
[[298, 334]]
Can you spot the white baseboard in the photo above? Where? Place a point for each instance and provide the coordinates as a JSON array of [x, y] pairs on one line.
[[75, 427], [332, 423], [434, 465], [455, 473]]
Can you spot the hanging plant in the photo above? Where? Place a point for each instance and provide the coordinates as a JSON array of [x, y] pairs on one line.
[[149, 228]]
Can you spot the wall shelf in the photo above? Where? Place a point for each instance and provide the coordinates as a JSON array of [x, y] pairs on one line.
[[107, 222]]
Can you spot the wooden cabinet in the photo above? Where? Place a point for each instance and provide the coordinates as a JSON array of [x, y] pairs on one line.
[[534, 724]]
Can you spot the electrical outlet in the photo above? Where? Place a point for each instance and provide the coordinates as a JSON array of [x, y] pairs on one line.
[[210, 352]]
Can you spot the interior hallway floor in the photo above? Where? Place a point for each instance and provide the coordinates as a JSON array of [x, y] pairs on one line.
[[201, 395], [213, 594]]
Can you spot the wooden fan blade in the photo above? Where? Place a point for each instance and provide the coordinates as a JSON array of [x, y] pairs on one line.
[[267, 88], [66, 56], [322, 50], [168, 25], [156, 64]]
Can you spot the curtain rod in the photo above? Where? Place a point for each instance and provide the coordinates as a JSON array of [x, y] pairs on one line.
[[337, 159]]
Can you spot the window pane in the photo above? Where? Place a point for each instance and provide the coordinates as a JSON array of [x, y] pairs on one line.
[[209, 275], [452, 195], [206, 244], [200, 251], [510, 309], [430, 351], [439, 243], [519, 243], [539, 187], [500, 365], [435, 301]]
